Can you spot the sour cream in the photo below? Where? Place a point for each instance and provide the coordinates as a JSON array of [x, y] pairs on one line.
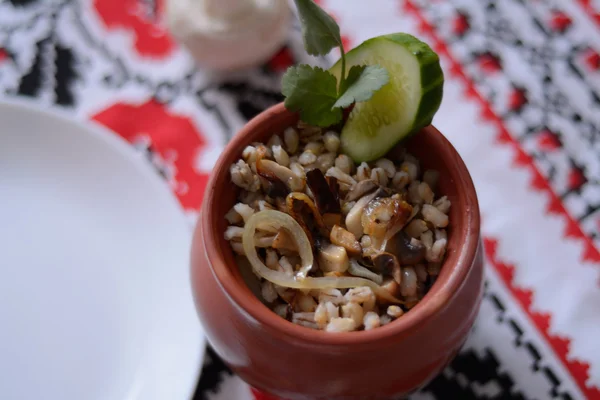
[[229, 34]]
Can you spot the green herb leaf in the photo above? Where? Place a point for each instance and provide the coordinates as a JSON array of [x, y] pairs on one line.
[[320, 32], [360, 85], [352, 77], [313, 92]]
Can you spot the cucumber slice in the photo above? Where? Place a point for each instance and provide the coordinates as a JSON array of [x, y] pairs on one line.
[[403, 106]]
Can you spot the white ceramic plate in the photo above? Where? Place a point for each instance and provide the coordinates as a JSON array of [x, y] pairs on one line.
[[95, 300]]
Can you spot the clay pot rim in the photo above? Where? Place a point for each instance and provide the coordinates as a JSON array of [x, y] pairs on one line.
[[243, 298]]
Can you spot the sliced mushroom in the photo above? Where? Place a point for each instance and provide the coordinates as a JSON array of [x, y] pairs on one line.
[[386, 192], [377, 215], [297, 203], [272, 185], [284, 241], [388, 265], [354, 217], [326, 200], [271, 182], [358, 270], [333, 258], [270, 169], [264, 239], [281, 205], [360, 189], [286, 294], [408, 250], [342, 237], [330, 220], [382, 215], [306, 303], [397, 274], [391, 287], [335, 188]]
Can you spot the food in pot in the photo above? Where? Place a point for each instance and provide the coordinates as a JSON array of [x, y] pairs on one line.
[[333, 245]]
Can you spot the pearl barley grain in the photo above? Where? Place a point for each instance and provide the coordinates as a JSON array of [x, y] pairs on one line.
[[331, 141], [304, 148], [371, 321], [291, 140]]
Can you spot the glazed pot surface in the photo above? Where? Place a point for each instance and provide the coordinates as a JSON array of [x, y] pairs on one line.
[[294, 362]]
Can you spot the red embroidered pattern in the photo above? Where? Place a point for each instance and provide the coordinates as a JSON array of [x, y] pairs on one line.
[[588, 7], [151, 39], [579, 370]]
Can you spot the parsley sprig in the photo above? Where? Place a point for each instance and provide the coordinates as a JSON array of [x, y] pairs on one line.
[[315, 92]]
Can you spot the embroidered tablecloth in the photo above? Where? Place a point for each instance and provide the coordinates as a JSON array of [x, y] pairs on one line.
[[521, 105]]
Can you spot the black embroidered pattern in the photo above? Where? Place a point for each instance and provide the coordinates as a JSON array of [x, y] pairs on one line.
[[547, 63]]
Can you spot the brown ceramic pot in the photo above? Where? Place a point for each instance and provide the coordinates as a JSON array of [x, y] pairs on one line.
[[297, 363]]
